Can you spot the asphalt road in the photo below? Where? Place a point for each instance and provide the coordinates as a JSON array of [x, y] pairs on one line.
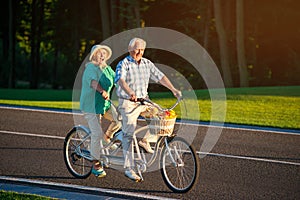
[[244, 164]]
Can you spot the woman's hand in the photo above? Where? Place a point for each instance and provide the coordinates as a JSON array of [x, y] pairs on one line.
[[105, 95]]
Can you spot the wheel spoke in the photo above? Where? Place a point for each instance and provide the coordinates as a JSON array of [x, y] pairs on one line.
[[76, 162], [181, 175]]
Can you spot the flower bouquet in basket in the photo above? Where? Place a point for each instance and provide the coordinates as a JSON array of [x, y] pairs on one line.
[[160, 122]]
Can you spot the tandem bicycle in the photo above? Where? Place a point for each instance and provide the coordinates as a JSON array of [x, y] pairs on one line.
[[177, 159]]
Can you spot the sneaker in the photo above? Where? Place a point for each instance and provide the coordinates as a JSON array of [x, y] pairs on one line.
[[146, 146], [132, 175], [98, 172]]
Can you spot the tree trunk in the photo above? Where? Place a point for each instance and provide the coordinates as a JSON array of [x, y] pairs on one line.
[[54, 71], [36, 32], [223, 44], [32, 72], [207, 25], [244, 81], [114, 18], [104, 10], [122, 14], [11, 44], [39, 38], [137, 20]]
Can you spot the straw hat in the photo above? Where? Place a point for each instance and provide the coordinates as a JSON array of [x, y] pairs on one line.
[[95, 48]]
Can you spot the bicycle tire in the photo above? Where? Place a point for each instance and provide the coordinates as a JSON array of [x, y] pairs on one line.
[[77, 165], [180, 178]]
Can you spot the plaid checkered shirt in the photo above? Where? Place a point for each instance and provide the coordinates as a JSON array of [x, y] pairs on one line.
[[137, 76]]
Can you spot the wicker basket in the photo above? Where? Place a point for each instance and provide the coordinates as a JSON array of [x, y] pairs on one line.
[[161, 127]]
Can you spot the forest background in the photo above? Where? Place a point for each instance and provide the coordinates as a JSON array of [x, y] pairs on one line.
[[253, 42]]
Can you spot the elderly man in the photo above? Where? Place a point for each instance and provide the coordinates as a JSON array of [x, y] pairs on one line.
[[132, 75]]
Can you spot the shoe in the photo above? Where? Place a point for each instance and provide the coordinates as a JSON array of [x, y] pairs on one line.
[[132, 175], [112, 147], [146, 146], [98, 172]]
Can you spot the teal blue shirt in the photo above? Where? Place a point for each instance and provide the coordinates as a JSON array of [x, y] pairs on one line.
[[92, 101]]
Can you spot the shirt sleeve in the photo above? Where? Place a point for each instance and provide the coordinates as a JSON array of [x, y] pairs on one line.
[[120, 71], [90, 74], [155, 74]]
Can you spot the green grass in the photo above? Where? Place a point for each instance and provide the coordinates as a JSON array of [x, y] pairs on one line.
[[61, 99], [44, 104], [263, 106], [36, 95], [6, 195], [272, 111]]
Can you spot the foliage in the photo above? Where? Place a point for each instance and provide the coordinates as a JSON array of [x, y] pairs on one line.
[[45, 41]]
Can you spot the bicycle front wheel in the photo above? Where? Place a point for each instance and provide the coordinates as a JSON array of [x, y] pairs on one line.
[[76, 153], [180, 165]]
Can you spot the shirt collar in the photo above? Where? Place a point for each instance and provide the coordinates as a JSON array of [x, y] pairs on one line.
[[130, 59]]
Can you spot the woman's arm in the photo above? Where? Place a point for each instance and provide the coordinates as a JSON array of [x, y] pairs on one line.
[[96, 86]]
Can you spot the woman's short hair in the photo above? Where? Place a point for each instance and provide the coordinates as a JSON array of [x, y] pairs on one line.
[[134, 41]]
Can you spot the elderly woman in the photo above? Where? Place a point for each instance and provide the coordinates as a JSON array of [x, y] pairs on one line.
[[97, 82]]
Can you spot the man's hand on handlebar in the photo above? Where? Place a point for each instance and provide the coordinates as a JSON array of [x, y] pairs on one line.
[[133, 97], [177, 94]]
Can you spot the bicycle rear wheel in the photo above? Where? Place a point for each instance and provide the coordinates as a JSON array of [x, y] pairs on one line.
[[180, 167], [76, 153]]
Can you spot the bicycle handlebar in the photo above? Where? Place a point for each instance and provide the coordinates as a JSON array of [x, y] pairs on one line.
[[143, 100]]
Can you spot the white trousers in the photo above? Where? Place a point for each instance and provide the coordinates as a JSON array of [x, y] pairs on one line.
[[94, 121], [129, 111]]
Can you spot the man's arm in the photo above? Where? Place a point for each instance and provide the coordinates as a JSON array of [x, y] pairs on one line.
[[127, 89], [167, 83]]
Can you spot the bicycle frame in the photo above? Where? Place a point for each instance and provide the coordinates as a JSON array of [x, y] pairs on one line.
[[178, 161], [109, 157]]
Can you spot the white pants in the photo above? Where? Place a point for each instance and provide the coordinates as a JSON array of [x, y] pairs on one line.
[[129, 111], [94, 121]]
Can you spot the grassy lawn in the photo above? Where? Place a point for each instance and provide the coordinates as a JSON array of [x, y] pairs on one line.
[[5, 195], [263, 106]]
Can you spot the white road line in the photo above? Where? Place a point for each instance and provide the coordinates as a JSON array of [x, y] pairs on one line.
[[64, 186], [32, 134], [203, 153], [249, 158], [253, 130], [190, 124], [40, 110]]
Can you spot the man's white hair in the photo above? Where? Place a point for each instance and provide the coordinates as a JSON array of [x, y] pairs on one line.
[[133, 41]]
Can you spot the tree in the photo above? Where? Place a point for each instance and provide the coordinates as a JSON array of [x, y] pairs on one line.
[[240, 46], [105, 19], [36, 32], [11, 44], [224, 57], [207, 25]]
